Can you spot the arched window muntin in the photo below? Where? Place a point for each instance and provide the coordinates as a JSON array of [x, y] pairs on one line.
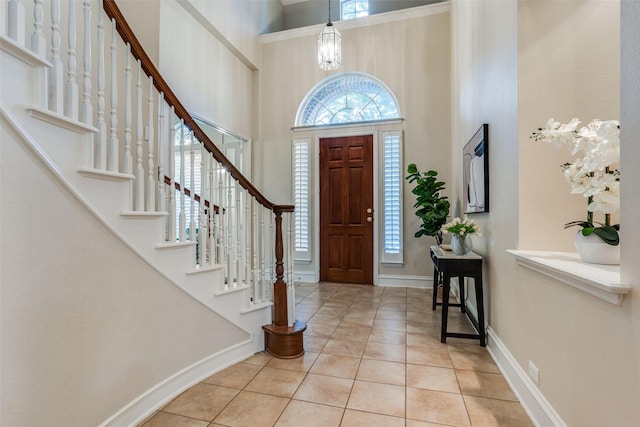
[[344, 98]]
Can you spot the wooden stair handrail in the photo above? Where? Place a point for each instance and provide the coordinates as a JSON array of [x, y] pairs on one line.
[[187, 192], [127, 35]]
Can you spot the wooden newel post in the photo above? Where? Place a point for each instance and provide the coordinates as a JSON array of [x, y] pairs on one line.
[[280, 339], [280, 287]]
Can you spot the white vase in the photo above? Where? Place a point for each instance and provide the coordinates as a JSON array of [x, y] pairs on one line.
[[593, 250], [461, 245]]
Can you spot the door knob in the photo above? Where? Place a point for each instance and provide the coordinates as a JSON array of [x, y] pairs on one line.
[[369, 210], [369, 219]]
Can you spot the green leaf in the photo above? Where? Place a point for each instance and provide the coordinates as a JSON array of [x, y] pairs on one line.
[[587, 231], [608, 234]]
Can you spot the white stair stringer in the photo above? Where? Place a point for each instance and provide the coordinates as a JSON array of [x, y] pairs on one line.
[[62, 148]]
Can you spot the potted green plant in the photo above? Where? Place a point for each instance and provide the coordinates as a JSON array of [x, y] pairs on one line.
[[432, 207]]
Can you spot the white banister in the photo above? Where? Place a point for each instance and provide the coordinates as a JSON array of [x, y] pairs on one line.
[[246, 200], [212, 209], [127, 161], [86, 111], [113, 152], [238, 238], [38, 41], [222, 233], [192, 189], [182, 222], [263, 243], [202, 226], [257, 296], [229, 230], [71, 94], [56, 77], [16, 28], [150, 190], [291, 289], [161, 200], [138, 193], [271, 244], [39, 47], [101, 136], [172, 173]]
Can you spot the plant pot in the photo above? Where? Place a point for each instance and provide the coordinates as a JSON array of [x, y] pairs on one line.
[[593, 250], [461, 245]]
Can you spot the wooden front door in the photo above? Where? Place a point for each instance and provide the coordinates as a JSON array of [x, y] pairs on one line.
[[346, 209]]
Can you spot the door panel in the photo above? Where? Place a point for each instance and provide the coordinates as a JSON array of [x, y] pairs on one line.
[[346, 192]]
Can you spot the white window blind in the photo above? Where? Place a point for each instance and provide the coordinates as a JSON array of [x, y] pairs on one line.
[[301, 199], [392, 197]]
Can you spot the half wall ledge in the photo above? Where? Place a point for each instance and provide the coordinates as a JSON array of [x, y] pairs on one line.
[[601, 281]]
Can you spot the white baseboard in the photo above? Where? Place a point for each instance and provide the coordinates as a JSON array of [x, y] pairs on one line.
[[305, 277], [152, 400], [405, 281], [535, 404]]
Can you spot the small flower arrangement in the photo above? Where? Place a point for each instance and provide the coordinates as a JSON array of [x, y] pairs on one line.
[[461, 227], [593, 173]]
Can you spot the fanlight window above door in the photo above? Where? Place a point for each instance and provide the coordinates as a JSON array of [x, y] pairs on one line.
[[347, 98]]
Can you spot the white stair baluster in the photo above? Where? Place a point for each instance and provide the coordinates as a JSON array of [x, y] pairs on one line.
[[272, 255], [71, 94], [86, 112], [56, 77], [150, 189], [101, 136], [222, 220], [202, 226], [238, 233], [162, 199], [264, 242], [139, 174], [39, 47], [229, 227], [257, 297], [213, 251], [127, 166], [182, 226], [246, 241], [291, 289], [113, 152], [192, 189], [17, 24], [172, 174]]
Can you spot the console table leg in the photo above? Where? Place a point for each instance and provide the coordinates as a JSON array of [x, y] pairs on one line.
[[446, 287], [480, 302]]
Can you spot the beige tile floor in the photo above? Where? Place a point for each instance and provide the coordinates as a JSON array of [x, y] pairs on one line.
[[373, 358]]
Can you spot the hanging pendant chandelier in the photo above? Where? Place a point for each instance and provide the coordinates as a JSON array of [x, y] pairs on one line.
[[329, 47]]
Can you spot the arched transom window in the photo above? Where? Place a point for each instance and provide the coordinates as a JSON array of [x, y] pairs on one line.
[[347, 98]]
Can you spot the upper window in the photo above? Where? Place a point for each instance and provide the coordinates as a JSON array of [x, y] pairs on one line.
[[347, 98], [350, 9]]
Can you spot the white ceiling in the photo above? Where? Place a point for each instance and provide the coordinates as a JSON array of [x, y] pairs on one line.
[[288, 2]]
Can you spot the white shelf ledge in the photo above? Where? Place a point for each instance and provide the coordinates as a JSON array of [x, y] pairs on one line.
[[601, 281]]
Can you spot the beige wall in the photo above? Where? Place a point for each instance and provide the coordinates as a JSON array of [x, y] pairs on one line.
[[566, 70], [143, 17], [410, 56], [566, 64]]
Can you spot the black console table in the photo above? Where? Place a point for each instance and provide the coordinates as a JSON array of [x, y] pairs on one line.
[[446, 265]]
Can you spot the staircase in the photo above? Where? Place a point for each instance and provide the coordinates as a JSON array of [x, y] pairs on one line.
[[112, 132]]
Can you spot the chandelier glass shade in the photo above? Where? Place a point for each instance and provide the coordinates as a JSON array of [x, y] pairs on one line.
[[329, 47]]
